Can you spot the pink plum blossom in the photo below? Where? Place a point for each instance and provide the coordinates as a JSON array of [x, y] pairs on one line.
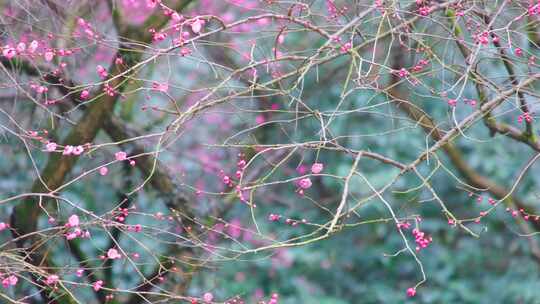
[[120, 155], [113, 254], [51, 146], [73, 221], [316, 168], [305, 183]]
